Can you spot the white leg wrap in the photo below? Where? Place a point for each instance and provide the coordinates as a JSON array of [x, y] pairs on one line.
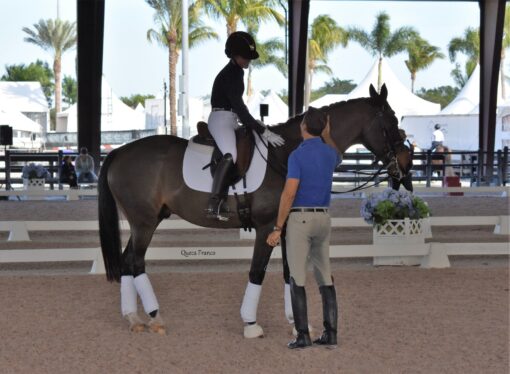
[[250, 303], [127, 295], [288, 304], [144, 289]]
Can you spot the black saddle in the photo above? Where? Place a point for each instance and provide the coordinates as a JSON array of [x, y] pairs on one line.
[[245, 144]]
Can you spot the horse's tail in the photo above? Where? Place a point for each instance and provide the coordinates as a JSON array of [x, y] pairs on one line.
[[109, 232]]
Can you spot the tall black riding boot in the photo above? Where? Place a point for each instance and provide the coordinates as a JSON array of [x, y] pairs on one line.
[[330, 315], [220, 187], [298, 298]]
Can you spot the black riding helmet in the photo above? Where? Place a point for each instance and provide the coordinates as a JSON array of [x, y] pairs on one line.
[[241, 43]]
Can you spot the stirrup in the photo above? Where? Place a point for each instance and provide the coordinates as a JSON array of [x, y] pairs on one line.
[[217, 215]]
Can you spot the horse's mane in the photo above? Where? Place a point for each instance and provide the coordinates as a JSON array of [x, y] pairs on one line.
[[299, 117]]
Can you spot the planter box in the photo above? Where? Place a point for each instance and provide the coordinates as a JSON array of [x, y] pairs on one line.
[[34, 184], [399, 233]]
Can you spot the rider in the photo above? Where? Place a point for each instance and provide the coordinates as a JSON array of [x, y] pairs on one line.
[[227, 109], [437, 137]]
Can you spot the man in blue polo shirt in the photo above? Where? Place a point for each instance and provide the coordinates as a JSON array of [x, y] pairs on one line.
[[305, 201]]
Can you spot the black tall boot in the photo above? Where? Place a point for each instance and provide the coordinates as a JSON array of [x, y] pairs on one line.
[[298, 298], [220, 188], [330, 315]]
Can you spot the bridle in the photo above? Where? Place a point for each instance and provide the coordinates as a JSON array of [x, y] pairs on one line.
[[390, 153], [391, 145]]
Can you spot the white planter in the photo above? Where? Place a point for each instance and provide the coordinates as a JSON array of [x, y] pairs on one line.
[[398, 234], [34, 184]]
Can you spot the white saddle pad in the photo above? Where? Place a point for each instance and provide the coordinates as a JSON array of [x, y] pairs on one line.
[[198, 155]]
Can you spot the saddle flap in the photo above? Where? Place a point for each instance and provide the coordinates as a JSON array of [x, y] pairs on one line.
[[245, 144]]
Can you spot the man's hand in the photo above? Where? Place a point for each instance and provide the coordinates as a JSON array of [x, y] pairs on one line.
[[274, 238]]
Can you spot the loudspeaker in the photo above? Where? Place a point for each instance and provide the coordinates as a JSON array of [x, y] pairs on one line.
[[5, 135], [264, 110]]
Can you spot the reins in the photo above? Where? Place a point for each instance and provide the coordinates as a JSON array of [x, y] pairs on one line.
[[390, 154]]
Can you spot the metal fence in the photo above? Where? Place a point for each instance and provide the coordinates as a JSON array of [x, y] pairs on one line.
[[355, 168]]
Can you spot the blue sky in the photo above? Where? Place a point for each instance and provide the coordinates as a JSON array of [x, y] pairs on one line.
[[133, 65]]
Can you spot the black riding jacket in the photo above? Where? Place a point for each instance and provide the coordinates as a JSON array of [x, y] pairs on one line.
[[227, 93]]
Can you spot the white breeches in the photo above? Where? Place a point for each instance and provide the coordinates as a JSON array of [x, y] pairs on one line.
[[222, 126]]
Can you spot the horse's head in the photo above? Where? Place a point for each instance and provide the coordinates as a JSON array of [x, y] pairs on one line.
[[383, 137]]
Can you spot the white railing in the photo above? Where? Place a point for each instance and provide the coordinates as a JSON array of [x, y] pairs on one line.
[[433, 254], [19, 230], [74, 194]]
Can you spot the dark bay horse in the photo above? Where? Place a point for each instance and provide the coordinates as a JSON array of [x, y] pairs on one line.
[[144, 180]]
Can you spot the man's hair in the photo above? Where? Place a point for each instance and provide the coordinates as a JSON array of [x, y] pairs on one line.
[[84, 150], [437, 126], [315, 121]]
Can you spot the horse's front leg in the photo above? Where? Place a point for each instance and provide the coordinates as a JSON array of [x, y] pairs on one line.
[[261, 255]]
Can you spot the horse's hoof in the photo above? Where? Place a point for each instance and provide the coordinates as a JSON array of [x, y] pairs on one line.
[[157, 325], [157, 329], [135, 323], [253, 331], [294, 331], [137, 328]]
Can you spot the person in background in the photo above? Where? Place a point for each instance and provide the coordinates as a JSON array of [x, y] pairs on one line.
[[67, 172], [437, 137], [84, 165], [305, 201]]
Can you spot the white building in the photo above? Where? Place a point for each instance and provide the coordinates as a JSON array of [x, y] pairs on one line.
[[115, 115]]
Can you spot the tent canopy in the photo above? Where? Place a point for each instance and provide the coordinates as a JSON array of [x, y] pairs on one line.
[[401, 99], [18, 121], [115, 115], [25, 97]]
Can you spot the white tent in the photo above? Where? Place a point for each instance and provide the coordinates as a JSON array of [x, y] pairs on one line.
[[400, 98], [467, 98], [139, 108], [115, 115], [328, 100], [27, 98], [278, 110], [23, 129], [23, 96]]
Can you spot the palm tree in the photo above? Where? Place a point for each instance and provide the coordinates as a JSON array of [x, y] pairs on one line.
[[381, 41], [168, 17], [56, 36], [269, 54], [325, 36], [233, 11], [468, 44], [421, 56], [505, 45]]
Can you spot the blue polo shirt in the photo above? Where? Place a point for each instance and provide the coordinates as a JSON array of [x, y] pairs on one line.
[[313, 163]]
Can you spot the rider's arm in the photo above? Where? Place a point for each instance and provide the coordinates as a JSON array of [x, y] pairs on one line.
[[235, 97]]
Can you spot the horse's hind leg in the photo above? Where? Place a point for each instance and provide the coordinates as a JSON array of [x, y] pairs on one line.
[[134, 265], [128, 294]]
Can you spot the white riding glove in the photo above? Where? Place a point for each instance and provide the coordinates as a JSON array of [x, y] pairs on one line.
[[274, 139]]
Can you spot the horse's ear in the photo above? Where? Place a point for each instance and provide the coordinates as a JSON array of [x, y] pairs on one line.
[[373, 92], [384, 92]]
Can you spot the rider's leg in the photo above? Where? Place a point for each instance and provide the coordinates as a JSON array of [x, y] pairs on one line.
[[222, 127], [220, 186]]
